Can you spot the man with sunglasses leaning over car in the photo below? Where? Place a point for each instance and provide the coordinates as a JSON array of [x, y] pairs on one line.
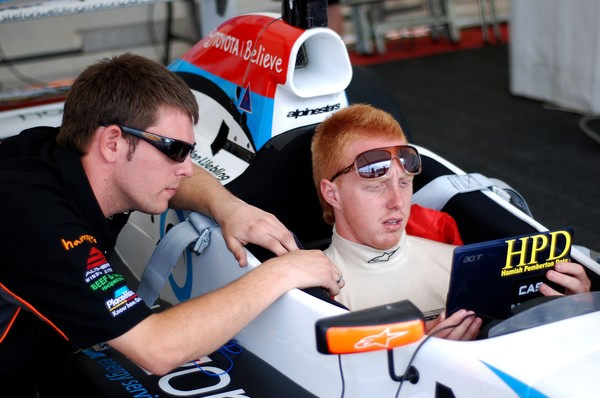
[[124, 145], [363, 171]]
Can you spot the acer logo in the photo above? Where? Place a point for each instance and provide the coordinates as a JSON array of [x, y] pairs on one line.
[[472, 259]]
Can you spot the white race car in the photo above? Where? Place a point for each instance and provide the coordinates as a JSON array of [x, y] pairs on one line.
[[263, 83]]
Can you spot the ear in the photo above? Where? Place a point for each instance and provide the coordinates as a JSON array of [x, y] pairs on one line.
[[111, 143], [330, 192]]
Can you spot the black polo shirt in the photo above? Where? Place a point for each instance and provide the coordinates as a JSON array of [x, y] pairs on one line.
[[54, 249]]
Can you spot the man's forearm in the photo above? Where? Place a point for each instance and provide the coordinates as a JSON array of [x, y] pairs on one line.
[[203, 193]]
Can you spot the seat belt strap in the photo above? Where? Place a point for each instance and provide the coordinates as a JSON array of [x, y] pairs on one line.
[[194, 230], [440, 190]]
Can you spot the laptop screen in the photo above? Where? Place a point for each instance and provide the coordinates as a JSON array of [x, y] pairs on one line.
[[490, 278]]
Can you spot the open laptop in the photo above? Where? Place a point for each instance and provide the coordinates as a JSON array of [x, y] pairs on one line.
[[490, 278]]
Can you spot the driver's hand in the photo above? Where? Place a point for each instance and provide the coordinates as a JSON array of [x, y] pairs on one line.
[[569, 275], [462, 325]]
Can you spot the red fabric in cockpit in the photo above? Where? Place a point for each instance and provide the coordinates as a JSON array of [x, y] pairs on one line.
[[433, 224]]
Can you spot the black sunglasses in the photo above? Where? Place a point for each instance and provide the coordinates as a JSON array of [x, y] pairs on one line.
[[173, 149], [376, 163]]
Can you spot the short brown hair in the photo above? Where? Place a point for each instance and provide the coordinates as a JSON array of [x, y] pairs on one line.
[[335, 133], [126, 89]]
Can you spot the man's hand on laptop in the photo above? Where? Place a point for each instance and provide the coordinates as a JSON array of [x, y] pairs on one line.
[[571, 276], [462, 325]]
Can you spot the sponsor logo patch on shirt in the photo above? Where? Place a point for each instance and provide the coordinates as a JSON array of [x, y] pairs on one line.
[[100, 277], [124, 298]]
